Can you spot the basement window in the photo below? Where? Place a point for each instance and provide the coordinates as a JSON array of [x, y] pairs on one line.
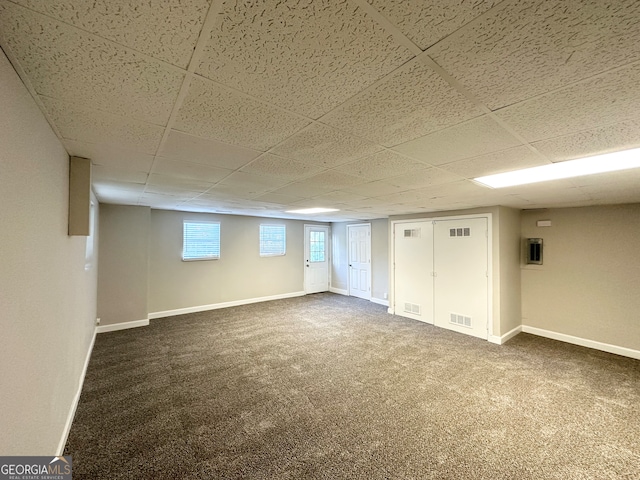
[[200, 241], [273, 240]]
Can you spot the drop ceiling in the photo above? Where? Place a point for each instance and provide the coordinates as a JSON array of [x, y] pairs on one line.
[[373, 107]]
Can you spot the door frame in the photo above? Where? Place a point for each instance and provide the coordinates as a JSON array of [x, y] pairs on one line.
[[304, 251], [392, 247], [370, 259]]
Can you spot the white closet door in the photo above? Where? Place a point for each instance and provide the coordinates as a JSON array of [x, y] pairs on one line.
[[461, 275], [413, 267], [359, 261]]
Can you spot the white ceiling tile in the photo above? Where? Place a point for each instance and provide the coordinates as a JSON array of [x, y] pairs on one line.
[[273, 166], [251, 179], [278, 199], [373, 189], [99, 172], [427, 22], [325, 146], [239, 192], [424, 178], [523, 48], [101, 128], [197, 171], [497, 162], [104, 186], [188, 148], [610, 181], [470, 139], [381, 165], [110, 156], [331, 180], [165, 30], [180, 192], [190, 184], [117, 196], [606, 139], [606, 99], [156, 200], [213, 111], [411, 103], [68, 64], [303, 188], [339, 196], [307, 57]]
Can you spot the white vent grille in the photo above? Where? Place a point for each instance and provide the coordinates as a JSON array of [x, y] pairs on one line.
[[460, 232], [412, 308], [461, 320], [413, 232]]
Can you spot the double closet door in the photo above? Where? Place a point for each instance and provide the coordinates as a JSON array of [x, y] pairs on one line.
[[441, 273]]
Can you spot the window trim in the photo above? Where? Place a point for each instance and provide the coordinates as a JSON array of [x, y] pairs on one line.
[[284, 240], [184, 238]]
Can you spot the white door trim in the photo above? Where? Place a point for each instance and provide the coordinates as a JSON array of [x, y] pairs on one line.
[[305, 253], [368, 225]]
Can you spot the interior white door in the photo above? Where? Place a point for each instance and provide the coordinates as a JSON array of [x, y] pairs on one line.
[[461, 275], [359, 260], [316, 258], [413, 268]]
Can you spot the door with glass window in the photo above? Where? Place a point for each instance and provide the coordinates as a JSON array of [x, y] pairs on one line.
[[316, 258]]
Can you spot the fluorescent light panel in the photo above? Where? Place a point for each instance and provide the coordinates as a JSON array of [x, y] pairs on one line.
[[608, 162], [313, 210]]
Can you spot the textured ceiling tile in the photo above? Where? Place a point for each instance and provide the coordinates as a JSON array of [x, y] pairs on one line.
[[610, 98], [527, 47], [381, 165], [99, 172], [164, 166], [274, 166], [190, 184], [610, 181], [338, 196], [103, 128], [610, 138], [498, 162], [331, 180], [306, 56], [278, 199], [427, 22], [303, 189], [411, 103], [165, 30], [187, 148], [250, 179], [424, 178], [65, 63], [373, 189], [216, 112], [475, 137], [240, 191], [324, 146], [110, 156]]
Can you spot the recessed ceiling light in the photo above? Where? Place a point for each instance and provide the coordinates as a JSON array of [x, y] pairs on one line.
[[608, 162], [313, 210]]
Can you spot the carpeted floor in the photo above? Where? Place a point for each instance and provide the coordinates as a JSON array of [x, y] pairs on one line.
[[333, 387]]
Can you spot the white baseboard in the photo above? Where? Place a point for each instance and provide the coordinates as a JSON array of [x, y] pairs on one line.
[[215, 306], [76, 398], [380, 301], [339, 291], [122, 326], [499, 340], [583, 342]]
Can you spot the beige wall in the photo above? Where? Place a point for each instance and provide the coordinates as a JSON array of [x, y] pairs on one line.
[[239, 274], [506, 294], [379, 256], [588, 285], [47, 292], [124, 263]]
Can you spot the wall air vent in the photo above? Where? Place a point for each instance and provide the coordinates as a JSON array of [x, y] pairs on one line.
[[413, 232], [461, 320], [460, 232], [412, 308]]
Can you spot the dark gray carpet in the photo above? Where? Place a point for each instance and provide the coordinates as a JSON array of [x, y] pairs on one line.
[[326, 386]]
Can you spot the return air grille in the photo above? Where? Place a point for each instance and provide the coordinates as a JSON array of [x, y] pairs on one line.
[[461, 320], [460, 232], [412, 232], [412, 308]]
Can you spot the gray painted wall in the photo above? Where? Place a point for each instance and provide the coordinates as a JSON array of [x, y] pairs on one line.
[[588, 284], [124, 263], [47, 289]]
